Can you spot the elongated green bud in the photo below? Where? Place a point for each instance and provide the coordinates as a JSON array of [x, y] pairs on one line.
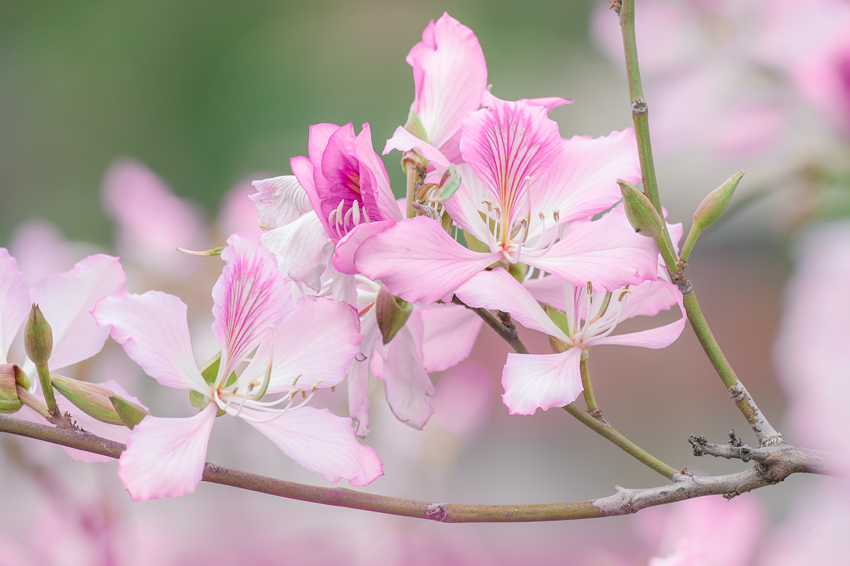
[[95, 400], [130, 413], [38, 337], [392, 313], [713, 206], [639, 210], [9, 402]]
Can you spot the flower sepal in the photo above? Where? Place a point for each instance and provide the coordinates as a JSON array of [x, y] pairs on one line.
[[95, 400], [392, 314], [9, 402]]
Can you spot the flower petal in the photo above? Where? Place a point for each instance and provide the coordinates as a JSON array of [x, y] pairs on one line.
[[280, 200], [409, 389], [534, 382], [66, 299], [250, 296], [497, 289], [582, 181], [449, 333], [155, 334], [41, 250], [374, 182], [466, 205], [166, 457], [358, 378], [418, 261], [347, 246], [403, 140], [302, 248], [15, 302], [321, 442], [450, 73], [606, 251], [316, 342]]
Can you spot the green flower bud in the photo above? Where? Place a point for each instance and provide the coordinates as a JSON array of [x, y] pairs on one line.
[[392, 313], [9, 402], [716, 202], [38, 337], [95, 400], [639, 210], [130, 413]]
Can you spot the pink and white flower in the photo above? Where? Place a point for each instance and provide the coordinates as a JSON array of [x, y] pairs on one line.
[[301, 344], [544, 381], [522, 186]]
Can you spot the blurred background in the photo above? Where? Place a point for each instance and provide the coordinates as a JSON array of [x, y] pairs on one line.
[[211, 95]]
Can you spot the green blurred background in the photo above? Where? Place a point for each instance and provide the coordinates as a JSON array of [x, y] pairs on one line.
[[205, 93]]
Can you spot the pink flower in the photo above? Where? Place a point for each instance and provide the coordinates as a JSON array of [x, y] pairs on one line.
[[534, 382], [522, 185], [449, 74], [300, 344]]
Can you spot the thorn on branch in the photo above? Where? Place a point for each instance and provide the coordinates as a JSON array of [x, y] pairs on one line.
[[615, 5]]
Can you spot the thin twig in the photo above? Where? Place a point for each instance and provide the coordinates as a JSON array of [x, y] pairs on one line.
[[785, 460], [508, 334]]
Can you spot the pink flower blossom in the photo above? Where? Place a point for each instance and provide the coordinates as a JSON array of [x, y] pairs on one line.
[[522, 185], [300, 345]]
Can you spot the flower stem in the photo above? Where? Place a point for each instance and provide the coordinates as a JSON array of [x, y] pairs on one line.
[[508, 334], [412, 177], [589, 399], [630, 447], [765, 433]]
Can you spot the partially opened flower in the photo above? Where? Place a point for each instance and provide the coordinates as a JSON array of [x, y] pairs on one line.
[[523, 184], [534, 382], [301, 344]]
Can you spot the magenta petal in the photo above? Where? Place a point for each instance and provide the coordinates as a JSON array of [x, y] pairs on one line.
[[155, 334], [375, 187], [66, 299], [15, 302], [449, 73], [534, 382], [280, 200], [304, 171], [316, 342], [321, 442], [409, 389], [302, 248], [348, 245], [507, 143], [607, 252], [418, 261], [403, 140], [250, 296], [166, 457], [582, 181], [497, 289], [449, 333]]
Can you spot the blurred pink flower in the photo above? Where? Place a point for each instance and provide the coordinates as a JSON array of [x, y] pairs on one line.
[[238, 212]]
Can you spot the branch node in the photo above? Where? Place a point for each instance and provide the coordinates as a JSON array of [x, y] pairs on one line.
[[615, 5], [436, 512], [733, 439], [639, 106], [698, 443]]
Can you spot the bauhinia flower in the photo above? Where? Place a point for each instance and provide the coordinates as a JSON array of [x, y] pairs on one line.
[[589, 318], [299, 344], [523, 185]]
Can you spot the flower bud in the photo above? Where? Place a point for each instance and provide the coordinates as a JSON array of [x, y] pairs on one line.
[[38, 337], [716, 202], [392, 313], [94, 400], [130, 413], [639, 210], [9, 402]]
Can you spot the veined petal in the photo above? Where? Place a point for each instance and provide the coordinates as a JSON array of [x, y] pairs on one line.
[[358, 378], [534, 382], [321, 442], [448, 335], [403, 140], [582, 181], [66, 299], [409, 389], [506, 144], [347, 246], [418, 261], [607, 252], [90, 424], [497, 289], [653, 297], [250, 296], [166, 457], [302, 248], [155, 334], [304, 172], [547, 102], [467, 204], [280, 200], [374, 182], [449, 73], [317, 341], [15, 302]]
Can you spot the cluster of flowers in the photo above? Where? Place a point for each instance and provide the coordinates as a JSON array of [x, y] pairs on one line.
[[347, 282]]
